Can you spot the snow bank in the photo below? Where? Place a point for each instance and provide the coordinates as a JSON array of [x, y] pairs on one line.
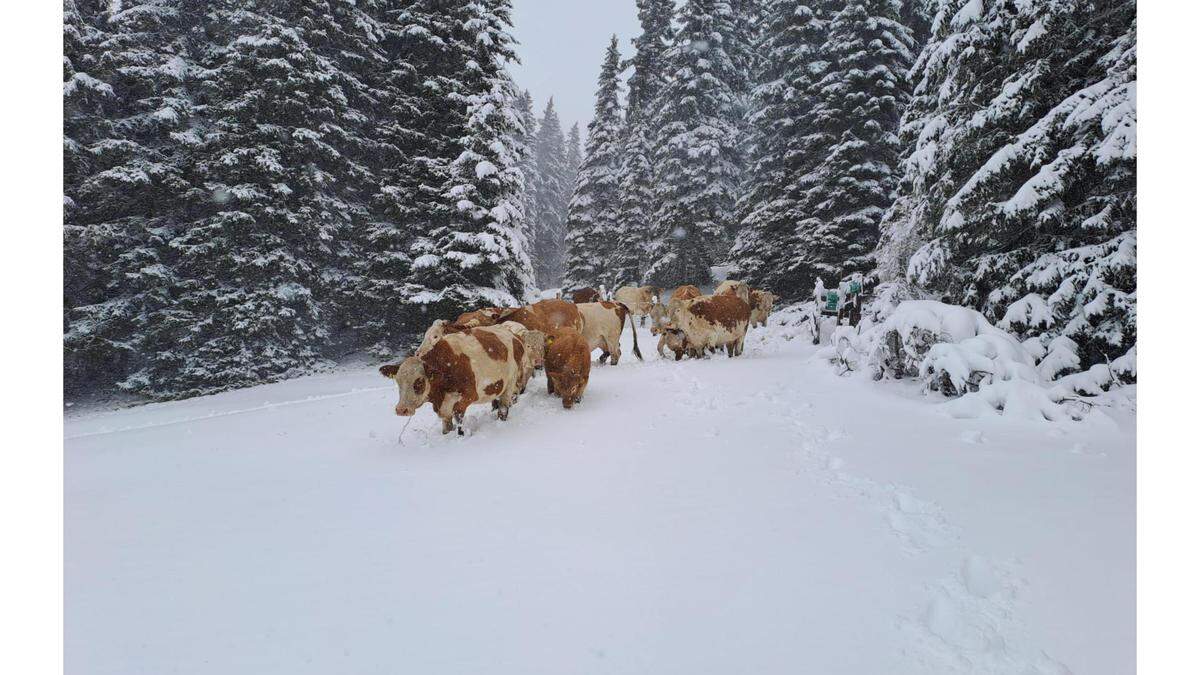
[[958, 353]]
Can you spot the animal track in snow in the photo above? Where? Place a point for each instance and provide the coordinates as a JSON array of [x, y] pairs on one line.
[[970, 625]]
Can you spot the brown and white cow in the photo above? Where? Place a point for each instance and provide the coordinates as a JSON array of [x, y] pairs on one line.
[[602, 325], [568, 366], [730, 287], [481, 365], [660, 314], [639, 299], [586, 295], [713, 322], [761, 303]]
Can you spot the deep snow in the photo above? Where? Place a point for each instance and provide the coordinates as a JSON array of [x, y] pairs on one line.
[[750, 515]]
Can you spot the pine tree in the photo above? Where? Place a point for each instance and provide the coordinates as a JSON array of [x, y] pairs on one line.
[[784, 146], [125, 106], [553, 190], [636, 173], [481, 256], [528, 165], [574, 153], [696, 156], [1020, 176], [593, 212], [858, 107], [412, 139]]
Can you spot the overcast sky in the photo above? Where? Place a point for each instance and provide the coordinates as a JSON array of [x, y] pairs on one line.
[[562, 43]]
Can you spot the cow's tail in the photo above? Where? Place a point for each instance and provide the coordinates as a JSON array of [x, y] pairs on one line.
[[625, 314]]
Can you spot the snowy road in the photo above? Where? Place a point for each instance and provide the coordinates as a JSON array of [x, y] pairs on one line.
[[755, 515]]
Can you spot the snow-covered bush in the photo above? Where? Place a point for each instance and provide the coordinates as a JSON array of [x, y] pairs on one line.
[[957, 352], [954, 349]]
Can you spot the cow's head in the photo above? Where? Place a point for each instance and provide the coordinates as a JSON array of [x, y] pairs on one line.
[[413, 381]]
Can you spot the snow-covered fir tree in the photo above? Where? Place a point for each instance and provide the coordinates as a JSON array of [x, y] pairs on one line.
[[553, 189], [696, 148], [859, 100], [481, 256], [593, 213], [574, 153], [414, 138], [784, 146], [636, 173], [1018, 196], [249, 264], [125, 104], [528, 165]]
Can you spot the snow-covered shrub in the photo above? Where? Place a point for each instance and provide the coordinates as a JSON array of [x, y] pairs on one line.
[[953, 348], [1014, 398], [1062, 356]]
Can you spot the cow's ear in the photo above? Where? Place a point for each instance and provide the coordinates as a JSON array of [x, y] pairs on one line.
[[389, 370]]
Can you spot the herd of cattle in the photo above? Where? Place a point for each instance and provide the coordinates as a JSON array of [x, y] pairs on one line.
[[489, 355]]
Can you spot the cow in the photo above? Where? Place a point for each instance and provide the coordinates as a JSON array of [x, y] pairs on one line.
[[713, 322], [730, 287], [488, 316], [586, 295], [602, 325], [761, 303], [660, 314], [568, 365], [556, 315], [686, 292], [639, 299], [533, 340], [476, 366], [440, 329]]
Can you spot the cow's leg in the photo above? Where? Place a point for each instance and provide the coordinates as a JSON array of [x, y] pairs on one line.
[[615, 349], [604, 353], [458, 420], [678, 354], [448, 425], [549, 385]]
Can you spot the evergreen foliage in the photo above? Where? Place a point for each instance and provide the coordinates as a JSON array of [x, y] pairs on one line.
[[696, 147], [1021, 169], [593, 213]]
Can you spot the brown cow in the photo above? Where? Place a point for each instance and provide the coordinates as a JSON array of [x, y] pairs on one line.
[[713, 322], [477, 366], [761, 303], [731, 287], [682, 293], [602, 326], [547, 316], [568, 365], [586, 295], [639, 299]]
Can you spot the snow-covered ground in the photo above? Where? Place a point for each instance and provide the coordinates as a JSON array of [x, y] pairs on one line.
[[751, 515]]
